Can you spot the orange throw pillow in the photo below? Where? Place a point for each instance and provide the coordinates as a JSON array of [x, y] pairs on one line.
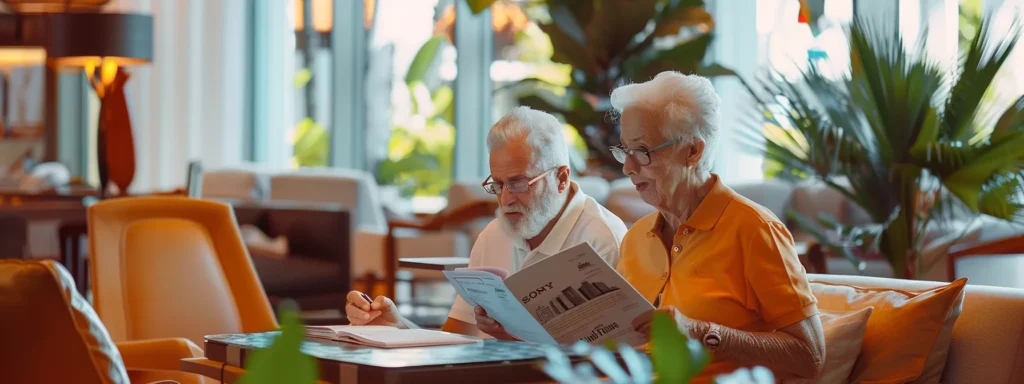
[[905, 333]]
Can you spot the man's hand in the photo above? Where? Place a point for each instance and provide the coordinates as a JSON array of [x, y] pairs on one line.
[[490, 326], [644, 322], [380, 311]]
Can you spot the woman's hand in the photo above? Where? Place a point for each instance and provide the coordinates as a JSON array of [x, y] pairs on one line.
[[686, 325]]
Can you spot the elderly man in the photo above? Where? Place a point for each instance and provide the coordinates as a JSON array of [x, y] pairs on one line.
[[723, 267], [541, 213]]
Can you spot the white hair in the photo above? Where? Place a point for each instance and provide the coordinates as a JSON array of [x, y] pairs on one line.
[[686, 104], [541, 132]]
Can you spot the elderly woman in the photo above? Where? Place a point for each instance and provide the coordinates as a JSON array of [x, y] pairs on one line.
[[723, 267]]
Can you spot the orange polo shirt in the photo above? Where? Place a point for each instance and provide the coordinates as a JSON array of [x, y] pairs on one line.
[[732, 263]]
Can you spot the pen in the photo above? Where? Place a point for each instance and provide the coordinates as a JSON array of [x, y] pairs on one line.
[[367, 298]]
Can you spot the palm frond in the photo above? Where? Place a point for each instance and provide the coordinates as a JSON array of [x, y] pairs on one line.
[[894, 89], [985, 56], [968, 181], [1011, 120], [1003, 197]]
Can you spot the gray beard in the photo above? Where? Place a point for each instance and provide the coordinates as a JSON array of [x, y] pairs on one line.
[[546, 207]]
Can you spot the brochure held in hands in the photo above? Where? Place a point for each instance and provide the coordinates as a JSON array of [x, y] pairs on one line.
[[570, 296]]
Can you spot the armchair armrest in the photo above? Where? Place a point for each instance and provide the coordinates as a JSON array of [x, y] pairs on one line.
[[157, 354], [1006, 246]]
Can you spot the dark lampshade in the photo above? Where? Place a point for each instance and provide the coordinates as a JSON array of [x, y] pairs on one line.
[[77, 39]]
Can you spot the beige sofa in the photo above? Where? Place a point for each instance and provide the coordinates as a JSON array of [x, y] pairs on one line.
[[988, 337]]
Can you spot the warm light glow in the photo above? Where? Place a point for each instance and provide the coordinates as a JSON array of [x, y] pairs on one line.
[[15, 57], [108, 71], [323, 14], [83, 61]]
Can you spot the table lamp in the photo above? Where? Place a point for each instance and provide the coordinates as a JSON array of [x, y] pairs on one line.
[[103, 44]]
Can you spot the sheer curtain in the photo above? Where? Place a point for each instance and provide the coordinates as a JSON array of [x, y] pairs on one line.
[[190, 102]]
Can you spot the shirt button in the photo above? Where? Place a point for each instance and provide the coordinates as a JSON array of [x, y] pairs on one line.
[[686, 231], [664, 275], [676, 248]]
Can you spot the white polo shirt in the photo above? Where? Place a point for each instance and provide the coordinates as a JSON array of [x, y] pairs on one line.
[[584, 220]]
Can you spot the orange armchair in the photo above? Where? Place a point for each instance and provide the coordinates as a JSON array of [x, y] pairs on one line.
[[170, 266], [51, 335]]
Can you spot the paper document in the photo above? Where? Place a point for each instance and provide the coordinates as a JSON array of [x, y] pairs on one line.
[[573, 295], [387, 337]]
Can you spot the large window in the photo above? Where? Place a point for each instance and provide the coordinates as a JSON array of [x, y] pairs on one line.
[[410, 98], [310, 136]]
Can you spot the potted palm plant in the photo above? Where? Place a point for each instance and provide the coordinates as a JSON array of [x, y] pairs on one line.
[[909, 142]]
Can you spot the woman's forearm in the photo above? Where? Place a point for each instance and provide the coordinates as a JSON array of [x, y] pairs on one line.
[[779, 351]]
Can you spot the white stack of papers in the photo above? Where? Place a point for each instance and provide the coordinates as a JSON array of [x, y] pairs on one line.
[[387, 337]]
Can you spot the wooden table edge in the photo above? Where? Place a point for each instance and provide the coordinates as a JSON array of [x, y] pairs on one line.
[[423, 263], [212, 369]]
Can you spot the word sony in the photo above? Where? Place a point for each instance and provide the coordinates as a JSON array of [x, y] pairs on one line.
[[600, 330], [538, 292]]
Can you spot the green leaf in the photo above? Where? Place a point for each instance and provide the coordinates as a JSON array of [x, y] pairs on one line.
[[527, 82], [1011, 120], [685, 57], [312, 144], [478, 6], [302, 77], [1001, 197], [424, 58], [967, 182], [569, 51], [927, 136], [683, 17], [615, 24], [283, 361], [676, 358], [581, 11], [983, 60], [714, 70], [443, 99]]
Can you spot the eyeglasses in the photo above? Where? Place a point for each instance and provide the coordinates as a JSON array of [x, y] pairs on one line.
[[641, 156], [515, 186]]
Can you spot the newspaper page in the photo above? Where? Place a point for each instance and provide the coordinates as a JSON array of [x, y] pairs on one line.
[[573, 295]]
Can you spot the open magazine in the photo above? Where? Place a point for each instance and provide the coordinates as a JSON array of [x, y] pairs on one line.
[[570, 296]]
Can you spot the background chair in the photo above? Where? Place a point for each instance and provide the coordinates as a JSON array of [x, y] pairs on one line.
[[56, 337], [372, 232], [13, 237], [154, 257]]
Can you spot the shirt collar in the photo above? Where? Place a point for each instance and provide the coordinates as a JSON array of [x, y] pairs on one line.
[[708, 211], [553, 243]]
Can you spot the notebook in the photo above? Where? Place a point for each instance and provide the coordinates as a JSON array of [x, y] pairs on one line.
[[387, 337]]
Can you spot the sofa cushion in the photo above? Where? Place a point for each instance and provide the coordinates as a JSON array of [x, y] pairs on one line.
[[908, 333], [844, 335], [987, 337], [297, 274]]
